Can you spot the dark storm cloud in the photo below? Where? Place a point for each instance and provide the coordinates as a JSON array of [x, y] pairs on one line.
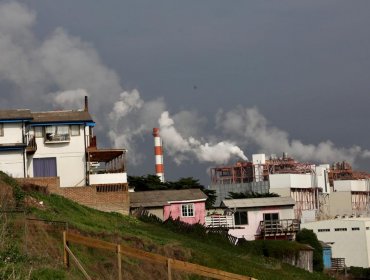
[[304, 64]]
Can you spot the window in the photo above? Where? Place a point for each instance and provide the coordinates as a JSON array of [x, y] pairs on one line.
[[57, 133], [270, 217], [241, 218], [367, 228], [1, 129], [187, 210], [38, 132], [340, 229], [75, 130], [355, 228], [323, 229]]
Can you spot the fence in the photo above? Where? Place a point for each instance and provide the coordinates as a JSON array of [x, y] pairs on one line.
[[124, 250]]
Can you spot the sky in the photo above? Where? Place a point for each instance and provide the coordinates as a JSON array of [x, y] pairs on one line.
[[222, 79]]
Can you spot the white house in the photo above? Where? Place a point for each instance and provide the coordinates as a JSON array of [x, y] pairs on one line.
[[57, 144], [349, 238], [257, 218]]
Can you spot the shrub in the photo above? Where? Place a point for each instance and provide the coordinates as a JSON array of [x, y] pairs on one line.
[[307, 236], [359, 272]]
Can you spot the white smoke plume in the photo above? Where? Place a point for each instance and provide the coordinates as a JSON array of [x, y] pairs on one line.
[[251, 126], [128, 102], [59, 69], [69, 98], [181, 149], [73, 69]]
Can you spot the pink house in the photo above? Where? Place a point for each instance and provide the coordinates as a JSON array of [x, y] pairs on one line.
[[188, 205], [260, 218]]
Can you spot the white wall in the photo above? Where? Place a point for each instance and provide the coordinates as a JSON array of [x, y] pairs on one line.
[[350, 185], [71, 170], [351, 244], [108, 178], [299, 181], [12, 133], [70, 158], [340, 203], [11, 162], [322, 179]]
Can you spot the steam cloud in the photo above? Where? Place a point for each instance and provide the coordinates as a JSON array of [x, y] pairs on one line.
[[179, 147], [249, 124], [72, 68]]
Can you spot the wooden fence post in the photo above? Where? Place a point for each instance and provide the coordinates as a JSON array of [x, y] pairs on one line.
[[119, 262], [169, 271], [65, 252]]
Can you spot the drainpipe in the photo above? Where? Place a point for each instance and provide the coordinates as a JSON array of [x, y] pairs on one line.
[[24, 150], [86, 155]]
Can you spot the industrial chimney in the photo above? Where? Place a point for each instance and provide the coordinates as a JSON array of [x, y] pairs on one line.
[[158, 152], [86, 109]]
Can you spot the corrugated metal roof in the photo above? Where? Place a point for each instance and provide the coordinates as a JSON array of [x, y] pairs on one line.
[[160, 198], [257, 202], [61, 116], [18, 114]]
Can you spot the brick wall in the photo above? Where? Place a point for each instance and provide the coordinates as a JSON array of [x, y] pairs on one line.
[[109, 198], [52, 183]]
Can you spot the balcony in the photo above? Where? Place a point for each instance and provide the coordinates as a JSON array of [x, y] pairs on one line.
[[220, 221], [106, 167], [278, 229], [31, 144]]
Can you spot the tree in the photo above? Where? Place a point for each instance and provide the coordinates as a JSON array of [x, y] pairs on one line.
[[148, 183], [307, 236], [235, 195]]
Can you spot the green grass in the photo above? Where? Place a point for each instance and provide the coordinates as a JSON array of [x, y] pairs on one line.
[[212, 251]]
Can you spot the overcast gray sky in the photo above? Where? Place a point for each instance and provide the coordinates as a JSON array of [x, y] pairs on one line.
[[223, 79]]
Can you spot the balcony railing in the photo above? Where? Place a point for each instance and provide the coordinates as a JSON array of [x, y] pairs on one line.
[[278, 228], [220, 221], [31, 144]]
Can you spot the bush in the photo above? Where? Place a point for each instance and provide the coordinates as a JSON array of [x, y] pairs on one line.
[[307, 236], [359, 272]]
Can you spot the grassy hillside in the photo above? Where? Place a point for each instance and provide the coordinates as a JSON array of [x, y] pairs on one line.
[[33, 249]]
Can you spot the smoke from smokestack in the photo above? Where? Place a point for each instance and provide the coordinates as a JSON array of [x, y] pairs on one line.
[[250, 125], [182, 149]]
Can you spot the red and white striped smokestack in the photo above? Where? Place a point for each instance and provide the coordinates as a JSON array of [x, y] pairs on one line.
[[158, 152]]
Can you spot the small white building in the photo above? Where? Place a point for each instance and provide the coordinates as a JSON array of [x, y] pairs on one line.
[[57, 144], [349, 238], [253, 218]]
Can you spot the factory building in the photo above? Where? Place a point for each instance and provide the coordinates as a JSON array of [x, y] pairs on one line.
[[349, 238], [319, 191]]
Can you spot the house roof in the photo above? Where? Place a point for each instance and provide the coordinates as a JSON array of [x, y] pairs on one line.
[[105, 155], [258, 202], [165, 197], [17, 114], [61, 116]]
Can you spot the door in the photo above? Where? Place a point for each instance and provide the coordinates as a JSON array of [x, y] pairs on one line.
[[45, 167]]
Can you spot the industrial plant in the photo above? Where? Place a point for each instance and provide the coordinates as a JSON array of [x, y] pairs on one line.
[[330, 199]]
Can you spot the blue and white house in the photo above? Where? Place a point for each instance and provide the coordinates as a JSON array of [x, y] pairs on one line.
[[57, 144]]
